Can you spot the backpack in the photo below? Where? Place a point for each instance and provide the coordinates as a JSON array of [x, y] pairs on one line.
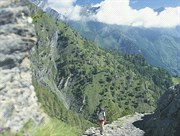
[[101, 115]]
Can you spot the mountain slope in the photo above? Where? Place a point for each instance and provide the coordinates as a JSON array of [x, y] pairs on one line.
[[75, 76], [160, 47]]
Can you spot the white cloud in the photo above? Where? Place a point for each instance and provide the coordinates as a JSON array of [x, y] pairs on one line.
[[66, 8], [119, 12]]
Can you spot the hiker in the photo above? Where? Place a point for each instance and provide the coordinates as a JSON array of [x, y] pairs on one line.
[[101, 119]]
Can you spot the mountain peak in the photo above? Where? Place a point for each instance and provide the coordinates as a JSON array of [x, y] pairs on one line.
[[159, 10], [55, 14], [90, 10]]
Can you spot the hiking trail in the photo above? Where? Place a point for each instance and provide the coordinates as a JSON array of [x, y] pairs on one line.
[[122, 127]]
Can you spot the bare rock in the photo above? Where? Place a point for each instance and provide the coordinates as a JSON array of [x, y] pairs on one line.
[[166, 120], [18, 101], [122, 127]]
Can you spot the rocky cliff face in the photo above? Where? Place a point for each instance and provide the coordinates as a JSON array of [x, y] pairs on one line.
[[18, 101], [166, 119]]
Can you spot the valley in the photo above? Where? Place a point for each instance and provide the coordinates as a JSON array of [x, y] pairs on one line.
[[56, 78]]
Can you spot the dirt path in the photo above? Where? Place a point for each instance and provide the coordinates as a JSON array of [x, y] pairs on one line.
[[122, 127]]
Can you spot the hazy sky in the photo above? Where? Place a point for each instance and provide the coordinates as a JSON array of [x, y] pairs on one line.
[[138, 13], [140, 3]]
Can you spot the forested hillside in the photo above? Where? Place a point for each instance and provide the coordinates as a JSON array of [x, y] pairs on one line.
[[73, 76], [159, 46]]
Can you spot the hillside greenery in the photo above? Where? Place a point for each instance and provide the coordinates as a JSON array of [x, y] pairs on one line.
[[73, 77], [159, 76], [52, 127], [176, 80], [159, 46]]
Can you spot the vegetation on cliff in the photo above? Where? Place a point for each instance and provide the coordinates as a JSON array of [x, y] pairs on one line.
[[159, 46], [53, 127], [73, 77], [176, 80]]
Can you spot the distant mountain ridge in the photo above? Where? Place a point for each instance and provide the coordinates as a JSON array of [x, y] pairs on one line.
[[159, 10], [55, 14], [159, 46], [39, 3], [89, 10]]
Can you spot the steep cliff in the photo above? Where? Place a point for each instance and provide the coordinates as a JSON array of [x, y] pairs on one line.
[[18, 101], [166, 120]]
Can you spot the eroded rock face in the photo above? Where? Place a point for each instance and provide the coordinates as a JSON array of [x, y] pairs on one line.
[[166, 120], [18, 101]]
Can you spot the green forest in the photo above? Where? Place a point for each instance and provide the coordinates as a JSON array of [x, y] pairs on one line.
[[73, 77]]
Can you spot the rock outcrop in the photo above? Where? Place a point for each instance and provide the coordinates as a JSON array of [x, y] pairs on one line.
[[122, 127], [166, 119], [18, 101]]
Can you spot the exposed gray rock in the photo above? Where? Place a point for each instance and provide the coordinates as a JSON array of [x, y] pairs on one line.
[[18, 101], [166, 119], [122, 127]]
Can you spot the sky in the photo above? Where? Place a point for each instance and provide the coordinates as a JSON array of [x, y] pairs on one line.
[[137, 4], [154, 3], [137, 13], [84, 2]]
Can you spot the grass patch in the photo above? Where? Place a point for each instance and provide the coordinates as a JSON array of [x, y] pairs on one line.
[[55, 127], [176, 80], [52, 127], [54, 108]]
